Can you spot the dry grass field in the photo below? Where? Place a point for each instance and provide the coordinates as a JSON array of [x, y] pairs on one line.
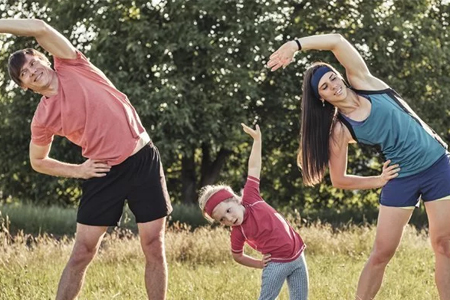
[[201, 267]]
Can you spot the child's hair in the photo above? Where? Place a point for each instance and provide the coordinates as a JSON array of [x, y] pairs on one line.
[[208, 191]]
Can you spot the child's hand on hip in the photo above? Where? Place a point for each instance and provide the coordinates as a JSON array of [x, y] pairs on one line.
[[265, 260]]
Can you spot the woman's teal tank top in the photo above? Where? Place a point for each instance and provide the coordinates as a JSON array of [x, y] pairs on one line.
[[399, 135]]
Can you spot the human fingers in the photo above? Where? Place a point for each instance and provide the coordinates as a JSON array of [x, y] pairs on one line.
[[386, 164], [98, 174], [272, 61], [275, 65], [101, 165], [392, 172], [275, 54], [257, 132], [247, 129], [96, 168], [266, 259], [392, 169], [393, 175], [98, 161]]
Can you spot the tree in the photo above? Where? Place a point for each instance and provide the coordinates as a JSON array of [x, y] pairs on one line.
[[194, 70]]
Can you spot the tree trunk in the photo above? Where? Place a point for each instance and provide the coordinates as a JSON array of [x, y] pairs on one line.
[[188, 180], [210, 171]]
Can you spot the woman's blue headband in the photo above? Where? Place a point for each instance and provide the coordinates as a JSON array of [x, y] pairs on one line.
[[317, 75]]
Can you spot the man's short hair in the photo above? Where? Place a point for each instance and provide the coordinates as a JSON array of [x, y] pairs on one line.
[[17, 60]]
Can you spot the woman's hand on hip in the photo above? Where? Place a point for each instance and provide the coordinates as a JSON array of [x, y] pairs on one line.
[[389, 172]]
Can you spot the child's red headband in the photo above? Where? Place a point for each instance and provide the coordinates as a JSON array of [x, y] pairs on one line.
[[215, 199]]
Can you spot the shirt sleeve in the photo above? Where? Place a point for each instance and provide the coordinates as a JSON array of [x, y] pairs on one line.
[[251, 191], [79, 60], [237, 241], [40, 135]]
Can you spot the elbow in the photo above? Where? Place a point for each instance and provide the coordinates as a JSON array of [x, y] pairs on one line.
[[338, 36], [36, 165], [338, 183], [237, 257], [338, 39], [39, 27]]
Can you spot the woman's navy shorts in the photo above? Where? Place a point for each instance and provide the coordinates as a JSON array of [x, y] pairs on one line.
[[139, 180], [428, 185]]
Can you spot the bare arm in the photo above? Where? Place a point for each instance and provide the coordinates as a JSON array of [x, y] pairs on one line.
[[42, 163], [356, 69], [251, 262], [50, 39], [254, 162], [338, 165]]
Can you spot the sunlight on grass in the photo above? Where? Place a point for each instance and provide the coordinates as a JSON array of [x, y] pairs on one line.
[[201, 267]]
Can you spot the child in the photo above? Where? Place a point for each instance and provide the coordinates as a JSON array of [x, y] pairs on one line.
[[257, 223]]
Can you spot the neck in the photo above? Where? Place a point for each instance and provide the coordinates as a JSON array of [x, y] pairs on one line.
[[51, 89], [350, 103]]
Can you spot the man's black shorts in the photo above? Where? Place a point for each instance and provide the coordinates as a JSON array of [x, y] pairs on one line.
[[139, 180]]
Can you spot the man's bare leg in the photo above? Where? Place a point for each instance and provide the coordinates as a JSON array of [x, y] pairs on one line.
[[87, 242], [152, 242]]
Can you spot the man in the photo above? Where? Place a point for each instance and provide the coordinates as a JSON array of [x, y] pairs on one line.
[[80, 103]]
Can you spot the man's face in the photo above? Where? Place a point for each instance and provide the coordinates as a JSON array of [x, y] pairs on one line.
[[36, 74]]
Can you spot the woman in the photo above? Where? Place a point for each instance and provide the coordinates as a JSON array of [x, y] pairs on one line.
[[368, 111]]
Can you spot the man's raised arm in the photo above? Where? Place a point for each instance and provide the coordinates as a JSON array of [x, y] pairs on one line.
[[50, 39]]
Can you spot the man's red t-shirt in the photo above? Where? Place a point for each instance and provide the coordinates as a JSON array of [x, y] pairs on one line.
[[89, 111]]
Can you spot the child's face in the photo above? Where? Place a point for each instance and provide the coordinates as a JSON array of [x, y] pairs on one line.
[[229, 213]]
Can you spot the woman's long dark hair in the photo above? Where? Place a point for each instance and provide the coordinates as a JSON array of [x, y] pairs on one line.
[[317, 122]]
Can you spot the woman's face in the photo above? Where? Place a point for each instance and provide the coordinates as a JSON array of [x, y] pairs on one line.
[[332, 88]]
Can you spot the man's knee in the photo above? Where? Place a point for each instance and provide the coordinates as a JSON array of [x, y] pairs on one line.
[[82, 255], [153, 247]]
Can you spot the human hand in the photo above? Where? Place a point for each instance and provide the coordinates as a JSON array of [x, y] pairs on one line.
[[389, 172], [265, 260], [93, 168], [254, 133], [283, 56]]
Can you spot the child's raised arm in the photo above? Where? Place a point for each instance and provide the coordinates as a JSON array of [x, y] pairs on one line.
[[254, 162]]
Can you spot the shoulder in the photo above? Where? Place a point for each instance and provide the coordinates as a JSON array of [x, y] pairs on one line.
[[236, 233], [366, 82], [78, 59], [340, 134]]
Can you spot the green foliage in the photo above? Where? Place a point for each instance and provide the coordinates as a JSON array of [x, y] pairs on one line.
[[194, 70]]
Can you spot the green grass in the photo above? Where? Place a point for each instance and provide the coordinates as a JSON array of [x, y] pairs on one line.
[[201, 267], [59, 221], [36, 219]]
